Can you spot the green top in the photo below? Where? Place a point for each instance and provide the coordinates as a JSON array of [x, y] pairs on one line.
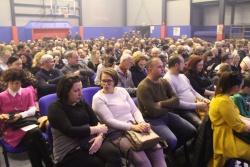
[[240, 100]]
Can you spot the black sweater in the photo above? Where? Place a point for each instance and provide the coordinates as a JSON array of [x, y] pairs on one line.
[[72, 121]]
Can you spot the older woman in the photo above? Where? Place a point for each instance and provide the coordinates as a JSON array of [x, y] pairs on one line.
[[19, 101], [225, 118], [116, 109], [78, 138], [199, 81], [138, 70]]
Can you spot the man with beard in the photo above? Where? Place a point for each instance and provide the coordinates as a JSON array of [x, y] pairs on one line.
[[187, 95]]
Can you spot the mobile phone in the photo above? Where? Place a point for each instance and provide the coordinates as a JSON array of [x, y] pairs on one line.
[[11, 116]]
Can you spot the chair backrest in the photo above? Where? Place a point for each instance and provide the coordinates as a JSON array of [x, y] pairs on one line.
[[92, 80], [44, 103], [88, 93], [135, 101]]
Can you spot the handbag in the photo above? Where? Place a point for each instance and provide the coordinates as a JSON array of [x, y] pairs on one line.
[[245, 136], [20, 123], [142, 141], [202, 112]]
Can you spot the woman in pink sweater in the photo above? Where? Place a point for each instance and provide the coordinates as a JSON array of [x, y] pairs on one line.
[[19, 101]]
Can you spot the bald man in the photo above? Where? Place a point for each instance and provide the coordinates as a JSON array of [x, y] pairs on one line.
[[156, 100]]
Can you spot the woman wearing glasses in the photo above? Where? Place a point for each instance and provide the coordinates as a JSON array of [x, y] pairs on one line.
[[116, 109], [72, 122], [20, 101]]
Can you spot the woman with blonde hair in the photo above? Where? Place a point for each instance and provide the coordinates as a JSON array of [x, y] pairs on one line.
[[94, 60], [36, 66], [235, 65]]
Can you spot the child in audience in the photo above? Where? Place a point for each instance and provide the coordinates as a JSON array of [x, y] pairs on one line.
[[241, 99]]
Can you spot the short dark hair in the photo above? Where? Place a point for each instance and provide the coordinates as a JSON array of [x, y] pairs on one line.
[[112, 73], [165, 47], [64, 86], [12, 59], [174, 59], [150, 62], [162, 57], [227, 81], [20, 46], [14, 74]]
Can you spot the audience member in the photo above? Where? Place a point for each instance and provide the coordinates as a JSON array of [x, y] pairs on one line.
[[4, 56], [125, 76], [81, 70], [198, 80], [73, 122], [19, 101], [116, 109], [241, 99], [59, 64], [48, 77], [36, 64], [94, 60], [225, 118], [138, 70], [187, 95], [108, 61], [156, 100]]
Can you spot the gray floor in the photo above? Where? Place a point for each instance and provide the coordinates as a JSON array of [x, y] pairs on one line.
[[15, 160]]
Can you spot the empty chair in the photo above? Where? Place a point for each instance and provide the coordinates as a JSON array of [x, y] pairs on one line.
[[44, 103], [88, 93]]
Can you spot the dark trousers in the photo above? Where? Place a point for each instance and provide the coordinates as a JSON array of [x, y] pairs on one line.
[[107, 155], [190, 116], [37, 149]]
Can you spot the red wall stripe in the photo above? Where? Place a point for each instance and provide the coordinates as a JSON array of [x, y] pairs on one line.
[[15, 34]]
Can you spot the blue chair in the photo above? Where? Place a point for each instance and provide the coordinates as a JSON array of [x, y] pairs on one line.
[[88, 93], [14, 150], [44, 103], [135, 101], [8, 148], [50, 138], [92, 80]]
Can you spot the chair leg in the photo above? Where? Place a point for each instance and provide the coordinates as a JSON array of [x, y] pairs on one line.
[[6, 157], [186, 155]]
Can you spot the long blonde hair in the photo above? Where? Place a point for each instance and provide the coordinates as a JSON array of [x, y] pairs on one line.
[[93, 57]]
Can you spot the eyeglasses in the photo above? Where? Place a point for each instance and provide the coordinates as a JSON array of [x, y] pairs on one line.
[[108, 81]]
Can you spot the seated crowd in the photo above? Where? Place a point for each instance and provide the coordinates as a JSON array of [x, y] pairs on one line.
[[173, 80]]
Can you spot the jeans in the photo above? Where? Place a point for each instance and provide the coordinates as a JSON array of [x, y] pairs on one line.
[[190, 116], [172, 128]]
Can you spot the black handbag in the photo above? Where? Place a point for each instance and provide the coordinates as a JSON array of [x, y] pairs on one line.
[[243, 136], [20, 123]]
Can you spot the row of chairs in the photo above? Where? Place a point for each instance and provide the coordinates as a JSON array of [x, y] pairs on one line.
[[44, 103]]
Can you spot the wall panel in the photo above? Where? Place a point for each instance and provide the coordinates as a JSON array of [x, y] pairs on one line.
[[144, 12]]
